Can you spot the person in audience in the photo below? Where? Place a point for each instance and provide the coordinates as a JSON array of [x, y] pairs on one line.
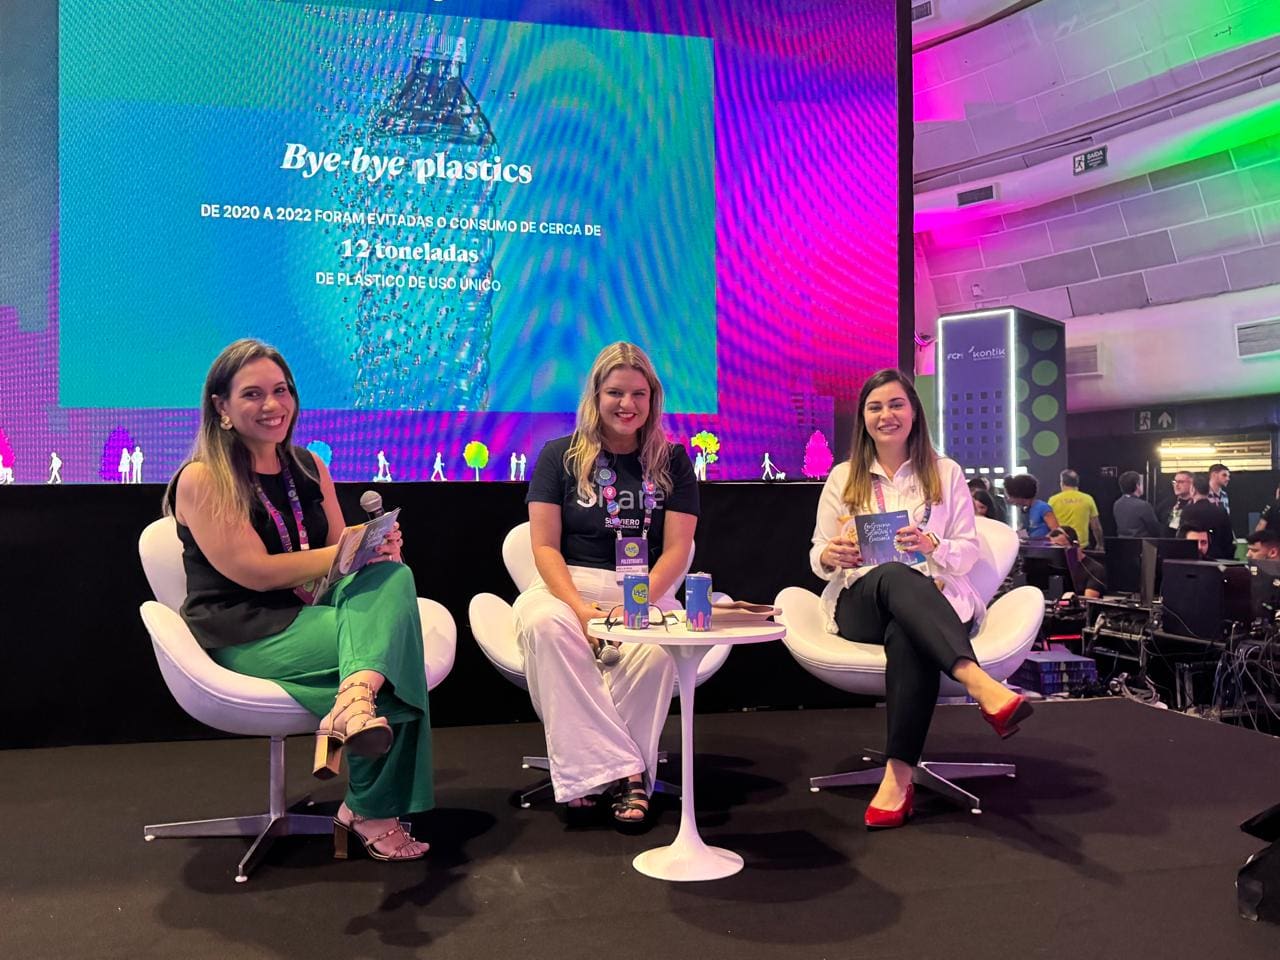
[[983, 505], [259, 520], [615, 476], [1269, 518], [1201, 536], [1202, 514], [1219, 478], [1037, 516], [924, 614], [1263, 545], [1088, 576], [1001, 513], [1075, 509], [1169, 511], [1134, 516]]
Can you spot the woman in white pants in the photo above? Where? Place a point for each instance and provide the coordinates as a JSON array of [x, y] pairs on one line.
[[615, 489]]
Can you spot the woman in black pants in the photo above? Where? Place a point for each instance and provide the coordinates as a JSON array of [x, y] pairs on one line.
[[923, 613]]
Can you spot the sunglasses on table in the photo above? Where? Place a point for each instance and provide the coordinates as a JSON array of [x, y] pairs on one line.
[[614, 618]]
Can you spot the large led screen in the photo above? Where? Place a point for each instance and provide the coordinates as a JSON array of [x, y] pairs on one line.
[[440, 212]]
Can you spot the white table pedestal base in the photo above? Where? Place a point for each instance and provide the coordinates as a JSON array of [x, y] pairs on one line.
[[688, 858], [688, 861]]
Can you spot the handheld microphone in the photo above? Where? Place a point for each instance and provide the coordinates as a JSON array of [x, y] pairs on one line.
[[371, 503], [608, 653]]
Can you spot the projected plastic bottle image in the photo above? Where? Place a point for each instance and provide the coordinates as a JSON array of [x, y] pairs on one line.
[[427, 347]]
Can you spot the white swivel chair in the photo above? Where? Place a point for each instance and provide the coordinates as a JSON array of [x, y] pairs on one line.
[[1002, 643], [236, 703], [493, 623]]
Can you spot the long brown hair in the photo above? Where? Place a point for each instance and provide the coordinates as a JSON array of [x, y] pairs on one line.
[[228, 460], [862, 451], [588, 435]]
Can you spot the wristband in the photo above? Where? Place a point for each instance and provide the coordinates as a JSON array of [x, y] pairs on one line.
[[934, 537]]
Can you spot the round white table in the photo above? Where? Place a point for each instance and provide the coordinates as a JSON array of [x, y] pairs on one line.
[[688, 858]]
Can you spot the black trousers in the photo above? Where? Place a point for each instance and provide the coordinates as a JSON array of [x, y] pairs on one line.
[[902, 609]]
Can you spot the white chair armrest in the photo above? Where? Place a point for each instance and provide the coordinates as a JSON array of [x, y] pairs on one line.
[[214, 695], [854, 667], [493, 624], [439, 640]]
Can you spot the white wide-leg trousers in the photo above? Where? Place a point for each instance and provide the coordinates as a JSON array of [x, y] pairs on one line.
[[602, 723]]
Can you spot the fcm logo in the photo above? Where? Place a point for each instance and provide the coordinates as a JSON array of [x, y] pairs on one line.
[[955, 356]]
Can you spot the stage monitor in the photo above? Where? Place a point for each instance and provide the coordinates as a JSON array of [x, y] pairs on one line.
[[1045, 566], [1124, 564], [1154, 553], [1202, 598], [440, 212]]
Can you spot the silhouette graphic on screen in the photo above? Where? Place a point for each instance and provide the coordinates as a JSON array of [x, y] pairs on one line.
[[136, 460], [437, 469], [125, 464], [384, 469], [55, 468]]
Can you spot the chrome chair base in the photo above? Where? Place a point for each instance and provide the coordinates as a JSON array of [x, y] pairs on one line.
[[932, 775], [263, 827]]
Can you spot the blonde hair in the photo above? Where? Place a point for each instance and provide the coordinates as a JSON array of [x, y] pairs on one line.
[[228, 460], [862, 451], [588, 434]]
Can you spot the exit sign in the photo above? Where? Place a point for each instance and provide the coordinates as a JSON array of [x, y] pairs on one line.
[[1089, 160], [1154, 421]]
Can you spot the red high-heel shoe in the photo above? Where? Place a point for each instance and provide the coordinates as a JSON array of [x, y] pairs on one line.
[[878, 818], [1005, 720]]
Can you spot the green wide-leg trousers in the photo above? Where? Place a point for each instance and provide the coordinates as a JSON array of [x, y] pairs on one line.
[[368, 622]]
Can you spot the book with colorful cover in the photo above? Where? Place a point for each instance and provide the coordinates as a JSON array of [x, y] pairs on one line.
[[356, 547], [876, 534]]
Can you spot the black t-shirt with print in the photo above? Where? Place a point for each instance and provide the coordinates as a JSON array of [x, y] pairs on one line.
[[584, 539]]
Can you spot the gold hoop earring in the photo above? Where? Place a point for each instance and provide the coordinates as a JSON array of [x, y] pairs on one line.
[[225, 422]]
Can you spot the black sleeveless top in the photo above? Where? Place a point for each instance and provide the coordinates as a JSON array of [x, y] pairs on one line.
[[221, 612]]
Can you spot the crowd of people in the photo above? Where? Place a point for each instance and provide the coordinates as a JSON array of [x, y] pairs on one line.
[[1198, 508]]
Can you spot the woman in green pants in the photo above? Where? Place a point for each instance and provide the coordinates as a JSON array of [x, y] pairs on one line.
[[258, 519]]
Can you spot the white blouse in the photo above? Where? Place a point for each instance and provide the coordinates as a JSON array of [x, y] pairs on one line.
[[952, 521]]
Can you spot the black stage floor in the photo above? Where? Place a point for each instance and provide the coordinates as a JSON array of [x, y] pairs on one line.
[[1118, 839]]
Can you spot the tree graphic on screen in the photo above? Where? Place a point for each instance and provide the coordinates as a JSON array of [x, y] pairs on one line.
[[709, 444], [817, 456], [476, 455], [322, 451]]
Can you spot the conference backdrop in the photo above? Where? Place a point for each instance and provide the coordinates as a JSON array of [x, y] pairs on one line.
[[439, 212]]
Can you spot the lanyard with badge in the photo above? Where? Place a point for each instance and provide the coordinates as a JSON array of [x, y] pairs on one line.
[[631, 554], [875, 483], [295, 507]]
